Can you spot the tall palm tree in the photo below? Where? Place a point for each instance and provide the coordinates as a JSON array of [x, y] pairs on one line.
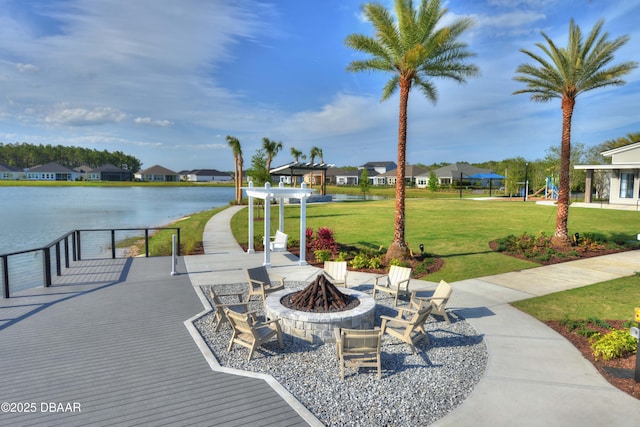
[[297, 154], [565, 73], [271, 148], [234, 143], [416, 50]]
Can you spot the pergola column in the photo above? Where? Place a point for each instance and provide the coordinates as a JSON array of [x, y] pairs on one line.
[[588, 187], [250, 249]]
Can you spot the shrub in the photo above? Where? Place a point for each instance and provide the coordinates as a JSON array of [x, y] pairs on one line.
[[322, 255], [615, 344], [375, 262], [342, 256], [360, 261]]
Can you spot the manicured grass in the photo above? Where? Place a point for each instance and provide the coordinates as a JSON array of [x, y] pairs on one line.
[[27, 183], [411, 192], [612, 300], [459, 231]]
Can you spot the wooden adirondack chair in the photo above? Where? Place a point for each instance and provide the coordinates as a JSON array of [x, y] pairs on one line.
[[395, 283], [260, 282], [438, 300], [336, 272], [357, 347], [250, 333], [219, 316], [279, 242], [408, 330]]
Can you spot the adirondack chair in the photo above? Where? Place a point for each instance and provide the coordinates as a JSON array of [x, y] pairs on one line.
[[260, 282], [336, 272], [438, 300], [250, 333], [408, 330], [395, 283], [219, 316], [356, 348]]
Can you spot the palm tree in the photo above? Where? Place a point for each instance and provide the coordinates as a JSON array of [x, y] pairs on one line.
[[415, 51], [565, 73], [271, 148], [234, 143], [297, 154], [315, 152]]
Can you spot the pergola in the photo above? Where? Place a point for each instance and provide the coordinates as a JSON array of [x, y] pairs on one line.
[[294, 169], [268, 193]]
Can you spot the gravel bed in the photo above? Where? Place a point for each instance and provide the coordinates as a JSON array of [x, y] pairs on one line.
[[414, 390]]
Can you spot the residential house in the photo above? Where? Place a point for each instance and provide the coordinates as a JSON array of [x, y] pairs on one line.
[[157, 173], [411, 174], [109, 172], [456, 172], [340, 176], [83, 173], [624, 175], [51, 172], [9, 172], [205, 175]]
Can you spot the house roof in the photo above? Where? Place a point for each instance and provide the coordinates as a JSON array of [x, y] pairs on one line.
[[7, 168], [342, 172], [51, 167], [83, 169], [108, 168], [157, 170], [410, 170], [205, 172], [454, 170], [377, 164], [621, 149]]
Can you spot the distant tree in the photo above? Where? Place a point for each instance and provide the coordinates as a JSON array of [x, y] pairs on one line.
[[315, 152], [565, 73], [415, 50], [271, 149], [364, 182], [297, 154], [234, 143], [433, 181], [259, 171], [577, 156]]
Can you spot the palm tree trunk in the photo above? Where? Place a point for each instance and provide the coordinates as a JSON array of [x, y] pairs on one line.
[[239, 195], [398, 248], [561, 235]]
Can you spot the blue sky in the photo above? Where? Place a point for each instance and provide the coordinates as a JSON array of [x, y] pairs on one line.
[[166, 81]]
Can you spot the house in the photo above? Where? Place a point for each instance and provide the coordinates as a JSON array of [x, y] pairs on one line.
[[376, 168], [109, 172], [51, 172], [411, 174], [340, 176], [83, 172], [157, 173], [623, 172], [205, 175], [456, 172], [9, 172]]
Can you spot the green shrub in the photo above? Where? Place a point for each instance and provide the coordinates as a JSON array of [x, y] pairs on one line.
[[322, 255], [615, 344], [375, 262], [342, 256], [360, 261]]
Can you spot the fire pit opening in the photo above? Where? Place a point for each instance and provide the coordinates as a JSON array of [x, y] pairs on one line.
[[321, 296]]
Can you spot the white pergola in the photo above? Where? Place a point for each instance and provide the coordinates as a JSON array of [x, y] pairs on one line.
[[268, 193]]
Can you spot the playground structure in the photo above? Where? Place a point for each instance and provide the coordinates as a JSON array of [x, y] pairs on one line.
[[550, 190]]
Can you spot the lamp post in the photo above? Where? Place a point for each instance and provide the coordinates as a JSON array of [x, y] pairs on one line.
[[526, 181]]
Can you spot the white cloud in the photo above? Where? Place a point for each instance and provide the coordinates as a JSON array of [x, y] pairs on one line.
[[27, 68], [151, 122], [64, 115]]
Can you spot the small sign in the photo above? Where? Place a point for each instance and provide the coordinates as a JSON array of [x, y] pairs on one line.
[[635, 332], [637, 312]]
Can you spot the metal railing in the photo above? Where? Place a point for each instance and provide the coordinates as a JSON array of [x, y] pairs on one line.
[[35, 267]]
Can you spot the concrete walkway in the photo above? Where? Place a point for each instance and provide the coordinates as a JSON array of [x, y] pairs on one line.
[[534, 376]]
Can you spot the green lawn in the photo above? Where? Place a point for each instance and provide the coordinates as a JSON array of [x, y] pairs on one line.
[[459, 231]]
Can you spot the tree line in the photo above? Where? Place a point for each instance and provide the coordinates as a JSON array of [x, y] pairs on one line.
[[25, 155]]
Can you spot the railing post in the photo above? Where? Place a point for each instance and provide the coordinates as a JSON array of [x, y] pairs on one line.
[[58, 264], [113, 244], [5, 276], [66, 252], [178, 240], [146, 242], [78, 245], [46, 260]]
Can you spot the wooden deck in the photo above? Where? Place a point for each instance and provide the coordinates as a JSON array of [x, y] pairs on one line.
[[109, 339]]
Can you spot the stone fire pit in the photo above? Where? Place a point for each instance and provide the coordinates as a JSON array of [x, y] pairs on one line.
[[318, 328]]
